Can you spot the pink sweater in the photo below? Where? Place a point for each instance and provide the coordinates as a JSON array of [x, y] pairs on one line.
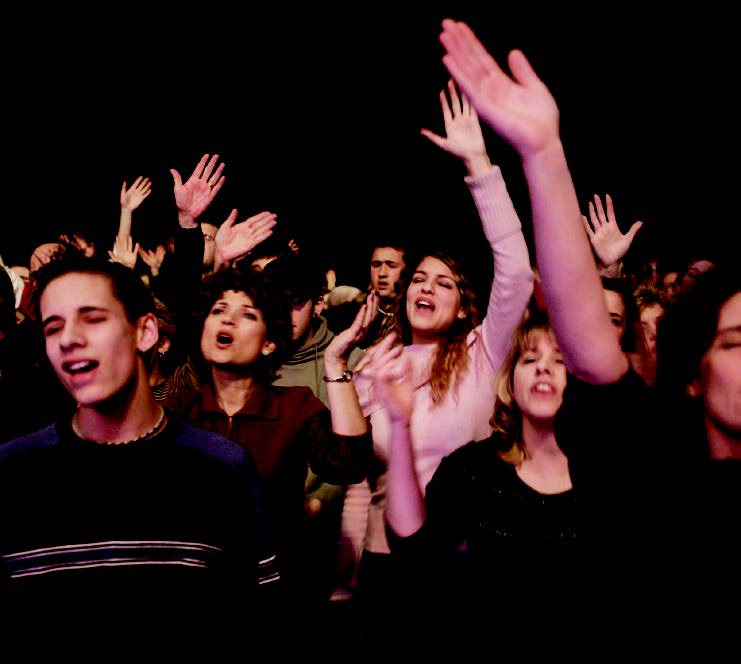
[[464, 414]]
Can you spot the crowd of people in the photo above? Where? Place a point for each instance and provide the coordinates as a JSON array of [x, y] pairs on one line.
[[212, 430]]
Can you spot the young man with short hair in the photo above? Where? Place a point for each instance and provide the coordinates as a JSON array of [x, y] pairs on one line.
[[122, 506]]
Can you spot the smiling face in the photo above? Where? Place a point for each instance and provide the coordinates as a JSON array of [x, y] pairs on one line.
[[539, 378], [234, 332], [91, 344], [433, 301]]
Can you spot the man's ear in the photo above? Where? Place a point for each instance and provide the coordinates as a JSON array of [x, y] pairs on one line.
[[319, 306], [147, 332], [693, 389]]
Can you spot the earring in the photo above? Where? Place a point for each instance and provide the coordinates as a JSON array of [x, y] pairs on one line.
[[161, 353]]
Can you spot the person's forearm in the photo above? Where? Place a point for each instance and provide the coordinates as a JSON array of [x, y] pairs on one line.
[[124, 222], [405, 505], [344, 405], [512, 285], [571, 286]]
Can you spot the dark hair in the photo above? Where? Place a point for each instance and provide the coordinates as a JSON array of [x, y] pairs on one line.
[[267, 297], [128, 288], [299, 276], [688, 327], [274, 246], [7, 303], [451, 357], [632, 316]]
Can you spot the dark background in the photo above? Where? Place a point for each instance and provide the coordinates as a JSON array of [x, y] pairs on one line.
[[316, 113]]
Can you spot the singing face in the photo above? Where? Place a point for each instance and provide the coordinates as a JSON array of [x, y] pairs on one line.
[[90, 342], [539, 378], [433, 301], [386, 267], [234, 333]]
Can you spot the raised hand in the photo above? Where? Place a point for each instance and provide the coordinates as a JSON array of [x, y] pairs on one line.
[[463, 137], [608, 242], [124, 251], [43, 254], [392, 379], [519, 108], [132, 197], [338, 352], [153, 258], [195, 195], [234, 240]]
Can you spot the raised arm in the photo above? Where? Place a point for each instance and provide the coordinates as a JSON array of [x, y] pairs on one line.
[[131, 198], [392, 380], [235, 240], [195, 195], [192, 199], [344, 404], [521, 109], [512, 286], [608, 242]]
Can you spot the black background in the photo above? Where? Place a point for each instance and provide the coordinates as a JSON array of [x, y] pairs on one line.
[[316, 113]]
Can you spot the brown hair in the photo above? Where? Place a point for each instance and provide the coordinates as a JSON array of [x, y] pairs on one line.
[[451, 357]]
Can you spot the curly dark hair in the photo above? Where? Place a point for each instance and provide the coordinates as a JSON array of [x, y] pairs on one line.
[[266, 296]]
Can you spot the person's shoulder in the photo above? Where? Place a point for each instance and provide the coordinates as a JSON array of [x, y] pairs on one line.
[[209, 443], [45, 437], [181, 400]]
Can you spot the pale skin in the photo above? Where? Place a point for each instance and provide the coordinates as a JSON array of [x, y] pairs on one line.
[[193, 196], [608, 242], [719, 384], [124, 251], [83, 322], [521, 109], [235, 240], [463, 132], [343, 399], [544, 468], [153, 258], [131, 198]]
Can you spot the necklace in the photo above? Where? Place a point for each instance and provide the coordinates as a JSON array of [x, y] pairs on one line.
[[159, 425]]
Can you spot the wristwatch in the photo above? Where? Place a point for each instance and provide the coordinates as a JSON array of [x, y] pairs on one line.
[[345, 377]]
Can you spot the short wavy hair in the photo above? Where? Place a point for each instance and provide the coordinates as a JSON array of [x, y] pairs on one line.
[[266, 296], [506, 420]]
